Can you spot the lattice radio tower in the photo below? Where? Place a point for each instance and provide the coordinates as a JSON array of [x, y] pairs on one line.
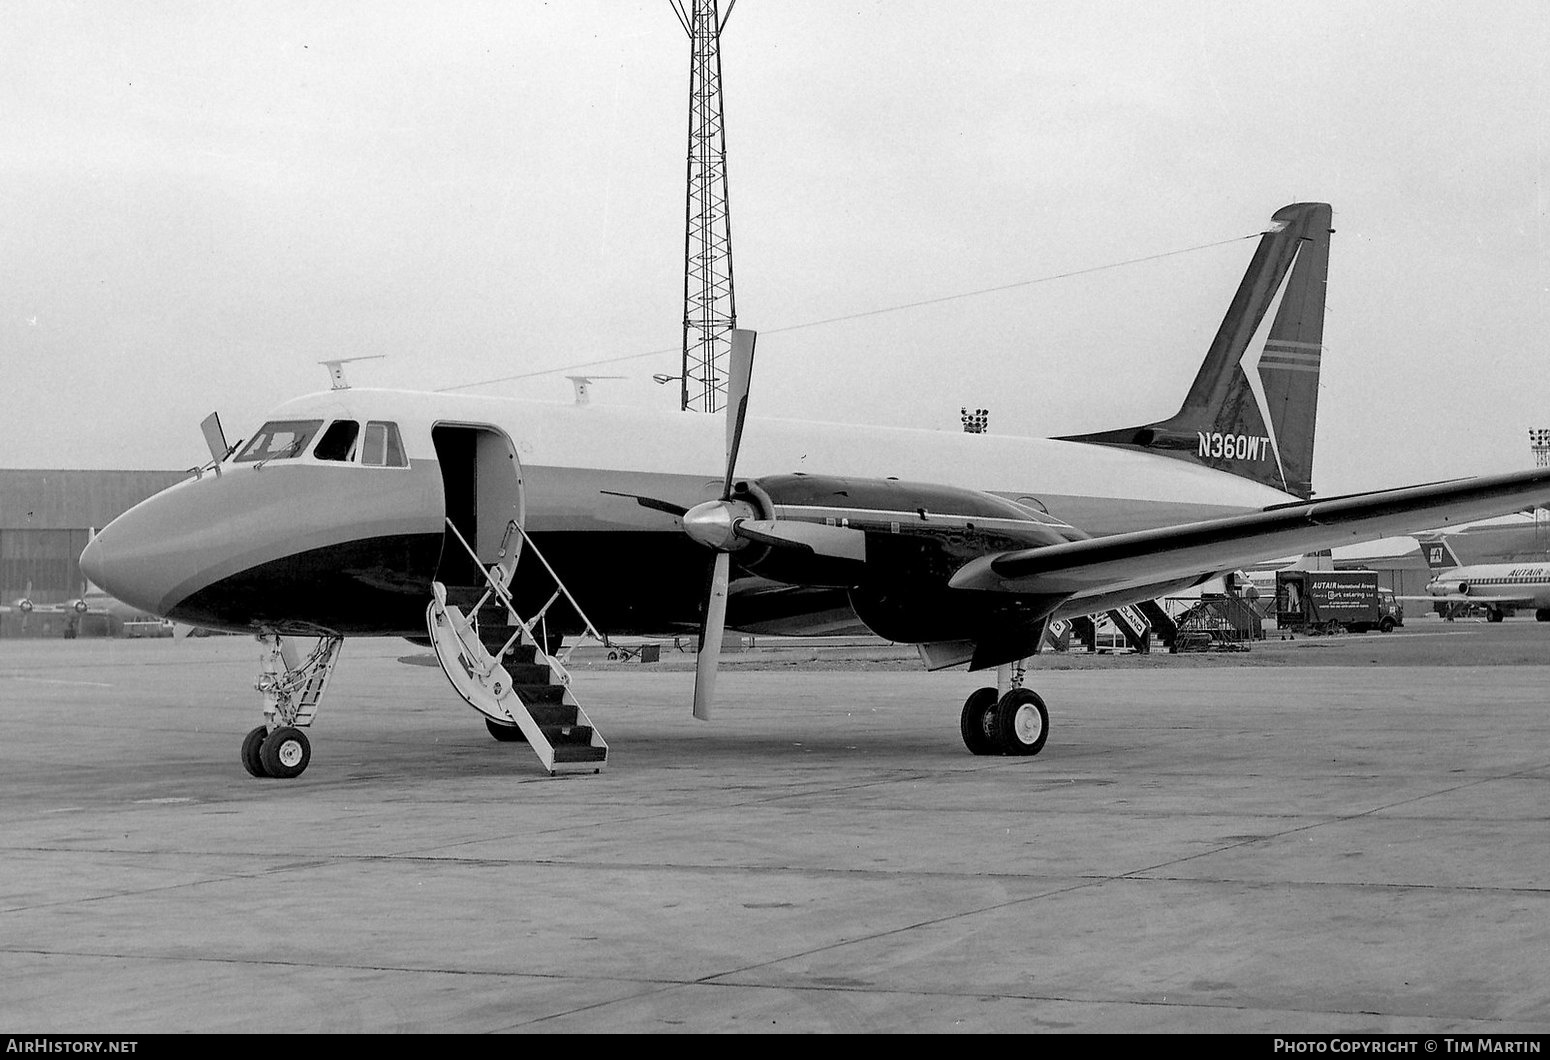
[[709, 311]]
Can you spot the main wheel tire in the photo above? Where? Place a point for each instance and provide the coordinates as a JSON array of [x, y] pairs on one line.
[[1542, 614], [251, 761], [978, 722], [285, 752], [1494, 616], [504, 733], [1022, 723]]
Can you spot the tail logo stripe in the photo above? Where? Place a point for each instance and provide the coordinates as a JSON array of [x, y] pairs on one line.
[[1251, 408], [1254, 355]]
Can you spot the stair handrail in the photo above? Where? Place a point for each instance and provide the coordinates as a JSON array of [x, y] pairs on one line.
[[504, 593], [591, 630]]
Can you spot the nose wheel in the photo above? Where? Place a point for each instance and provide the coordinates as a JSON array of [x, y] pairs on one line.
[[285, 752], [291, 687], [250, 745], [281, 754], [1015, 724]]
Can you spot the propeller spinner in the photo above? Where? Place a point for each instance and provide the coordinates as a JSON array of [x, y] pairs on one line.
[[730, 523]]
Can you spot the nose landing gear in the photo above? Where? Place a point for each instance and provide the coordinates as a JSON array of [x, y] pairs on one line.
[[291, 689]]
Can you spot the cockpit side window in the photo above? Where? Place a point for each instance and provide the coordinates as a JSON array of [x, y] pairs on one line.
[[338, 442], [382, 446], [279, 440]]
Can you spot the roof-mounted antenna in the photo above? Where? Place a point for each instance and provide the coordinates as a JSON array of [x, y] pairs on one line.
[[336, 369]]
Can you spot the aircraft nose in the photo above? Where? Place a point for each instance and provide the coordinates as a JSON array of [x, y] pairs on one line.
[[263, 547], [91, 562], [120, 560], [163, 548]]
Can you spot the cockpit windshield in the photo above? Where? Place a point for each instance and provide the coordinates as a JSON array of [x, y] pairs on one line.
[[279, 440], [338, 441]]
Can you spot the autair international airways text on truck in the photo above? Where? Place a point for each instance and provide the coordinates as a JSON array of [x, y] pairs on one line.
[[1335, 601]]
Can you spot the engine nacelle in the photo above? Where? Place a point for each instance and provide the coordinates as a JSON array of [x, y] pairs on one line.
[[911, 617], [917, 534]]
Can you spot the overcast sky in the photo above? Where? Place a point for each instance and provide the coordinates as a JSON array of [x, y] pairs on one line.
[[198, 202]]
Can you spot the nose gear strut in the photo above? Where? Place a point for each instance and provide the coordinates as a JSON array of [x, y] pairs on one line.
[[291, 689]]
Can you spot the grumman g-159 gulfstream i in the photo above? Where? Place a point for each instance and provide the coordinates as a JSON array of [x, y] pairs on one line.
[[494, 528]]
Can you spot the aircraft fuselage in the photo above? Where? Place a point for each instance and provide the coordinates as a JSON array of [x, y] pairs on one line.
[[309, 542], [1520, 584]]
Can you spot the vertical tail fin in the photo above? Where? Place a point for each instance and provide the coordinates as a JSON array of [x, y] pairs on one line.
[[1252, 406], [1439, 554]]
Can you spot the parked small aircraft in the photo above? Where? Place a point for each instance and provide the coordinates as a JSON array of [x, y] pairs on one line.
[[26, 605], [121, 617], [385, 513]]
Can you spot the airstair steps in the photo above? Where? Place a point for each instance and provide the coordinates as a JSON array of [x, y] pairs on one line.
[[533, 696], [498, 668], [494, 632], [561, 724]]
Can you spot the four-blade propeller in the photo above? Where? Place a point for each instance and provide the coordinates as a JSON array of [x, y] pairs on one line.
[[731, 523]]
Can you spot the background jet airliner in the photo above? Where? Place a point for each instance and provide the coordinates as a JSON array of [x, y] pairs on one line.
[[365, 512], [1493, 586]]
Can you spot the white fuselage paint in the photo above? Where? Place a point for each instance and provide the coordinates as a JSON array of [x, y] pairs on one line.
[[570, 453], [1522, 584]]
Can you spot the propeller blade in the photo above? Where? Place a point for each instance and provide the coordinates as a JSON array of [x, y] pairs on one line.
[[651, 502], [741, 375], [835, 542], [711, 630]]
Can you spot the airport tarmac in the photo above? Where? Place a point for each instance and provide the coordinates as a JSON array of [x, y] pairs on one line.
[[1309, 837]]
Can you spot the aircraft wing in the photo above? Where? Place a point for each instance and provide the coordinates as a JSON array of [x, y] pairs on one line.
[[1108, 565], [1489, 601]]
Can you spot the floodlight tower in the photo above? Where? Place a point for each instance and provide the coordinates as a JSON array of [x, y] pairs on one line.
[[976, 422], [709, 311], [1539, 445]]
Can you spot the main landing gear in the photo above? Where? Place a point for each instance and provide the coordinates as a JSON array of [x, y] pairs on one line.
[[1016, 723], [291, 688]]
